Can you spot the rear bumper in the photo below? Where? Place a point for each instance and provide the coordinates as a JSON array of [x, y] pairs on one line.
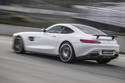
[[97, 56], [86, 49]]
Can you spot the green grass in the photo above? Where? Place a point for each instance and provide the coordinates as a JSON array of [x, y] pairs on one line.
[[13, 21], [3, 13], [9, 18]]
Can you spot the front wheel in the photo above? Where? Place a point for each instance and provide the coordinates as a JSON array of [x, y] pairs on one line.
[[66, 53], [103, 61], [18, 45]]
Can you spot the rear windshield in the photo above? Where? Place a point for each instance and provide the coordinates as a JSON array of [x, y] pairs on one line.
[[89, 30]]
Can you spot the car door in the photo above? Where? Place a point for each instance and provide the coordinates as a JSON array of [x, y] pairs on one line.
[[49, 39]]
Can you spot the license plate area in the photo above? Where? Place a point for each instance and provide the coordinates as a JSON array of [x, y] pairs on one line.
[[107, 52]]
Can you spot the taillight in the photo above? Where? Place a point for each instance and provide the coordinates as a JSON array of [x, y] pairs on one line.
[[90, 41]]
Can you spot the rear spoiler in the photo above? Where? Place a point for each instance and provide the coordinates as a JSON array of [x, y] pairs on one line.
[[113, 36]]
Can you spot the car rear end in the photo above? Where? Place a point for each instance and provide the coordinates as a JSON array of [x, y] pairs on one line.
[[97, 45]]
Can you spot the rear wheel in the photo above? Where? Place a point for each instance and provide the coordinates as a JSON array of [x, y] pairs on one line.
[[103, 61], [66, 53], [18, 45]]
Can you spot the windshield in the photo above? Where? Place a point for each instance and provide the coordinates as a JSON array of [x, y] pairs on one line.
[[89, 30]]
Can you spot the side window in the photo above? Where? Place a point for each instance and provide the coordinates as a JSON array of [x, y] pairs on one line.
[[55, 29], [67, 30]]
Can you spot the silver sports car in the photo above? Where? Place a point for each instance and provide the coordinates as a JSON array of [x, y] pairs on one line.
[[69, 42]]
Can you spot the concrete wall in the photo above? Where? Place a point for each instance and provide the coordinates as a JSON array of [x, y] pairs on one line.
[[10, 29], [121, 41]]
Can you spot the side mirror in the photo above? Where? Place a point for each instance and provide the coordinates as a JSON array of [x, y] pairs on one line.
[[43, 30]]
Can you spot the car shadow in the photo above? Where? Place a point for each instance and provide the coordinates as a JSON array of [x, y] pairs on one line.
[[88, 63], [42, 56]]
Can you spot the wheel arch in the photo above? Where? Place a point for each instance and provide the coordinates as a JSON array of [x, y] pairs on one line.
[[65, 42], [72, 57], [15, 36]]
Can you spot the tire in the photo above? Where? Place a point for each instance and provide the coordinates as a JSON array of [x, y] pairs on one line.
[[103, 61], [18, 45], [66, 53]]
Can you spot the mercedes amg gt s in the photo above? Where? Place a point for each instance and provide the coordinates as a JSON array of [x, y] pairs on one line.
[[69, 42]]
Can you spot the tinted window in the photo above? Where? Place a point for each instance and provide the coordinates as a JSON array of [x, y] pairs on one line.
[[67, 30], [89, 30], [55, 29]]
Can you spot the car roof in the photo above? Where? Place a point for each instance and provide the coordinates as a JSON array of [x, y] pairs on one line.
[[72, 24], [67, 24]]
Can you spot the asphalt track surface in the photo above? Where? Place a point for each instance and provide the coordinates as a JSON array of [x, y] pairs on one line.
[[39, 68]]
